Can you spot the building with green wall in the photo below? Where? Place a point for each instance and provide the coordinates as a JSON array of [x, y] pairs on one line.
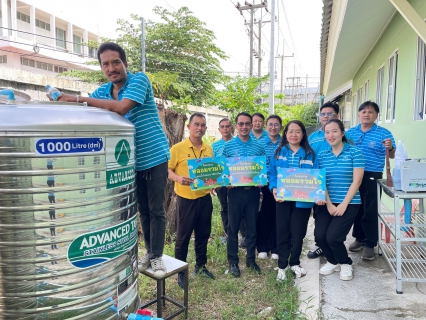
[[375, 50]]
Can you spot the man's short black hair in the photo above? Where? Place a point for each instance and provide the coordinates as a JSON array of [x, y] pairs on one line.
[[243, 114], [330, 104], [196, 114], [259, 115], [113, 47], [369, 104], [225, 119]]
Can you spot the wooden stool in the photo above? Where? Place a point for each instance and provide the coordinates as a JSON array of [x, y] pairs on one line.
[[173, 267]]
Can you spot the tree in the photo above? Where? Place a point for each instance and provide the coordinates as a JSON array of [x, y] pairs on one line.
[[180, 44], [241, 94]]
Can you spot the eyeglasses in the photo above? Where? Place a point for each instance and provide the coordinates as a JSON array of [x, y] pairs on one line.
[[225, 126], [360, 140], [274, 125], [326, 114], [241, 124]]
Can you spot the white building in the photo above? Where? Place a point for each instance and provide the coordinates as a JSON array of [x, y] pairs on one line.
[[36, 41]]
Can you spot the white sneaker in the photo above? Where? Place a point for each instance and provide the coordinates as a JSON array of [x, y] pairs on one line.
[[144, 263], [281, 276], [262, 255], [298, 271], [346, 272], [158, 267], [329, 268], [274, 256]]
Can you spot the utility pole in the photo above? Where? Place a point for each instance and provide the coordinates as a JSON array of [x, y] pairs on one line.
[[143, 45], [282, 70], [251, 7], [271, 61], [306, 90]]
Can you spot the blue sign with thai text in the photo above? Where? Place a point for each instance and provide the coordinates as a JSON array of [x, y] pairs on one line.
[[55, 146]]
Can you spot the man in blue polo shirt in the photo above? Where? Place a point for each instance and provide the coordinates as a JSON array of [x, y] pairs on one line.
[[225, 129], [243, 202], [317, 141], [373, 141], [131, 95]]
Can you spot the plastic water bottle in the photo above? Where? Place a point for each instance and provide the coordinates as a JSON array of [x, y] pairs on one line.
[[52, 92], [400, 156]]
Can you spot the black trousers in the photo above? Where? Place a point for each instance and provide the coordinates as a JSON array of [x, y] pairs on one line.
[[266, 224], [292, 224], [193, 215], [243, 203], [222, 195], [51, 199], [52, 214], [49, 166], [51, 183], [366, 228], [150, 197], [331, 232]]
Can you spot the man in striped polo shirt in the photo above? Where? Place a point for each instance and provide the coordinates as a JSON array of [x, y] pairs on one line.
[[243, 202], [317, 141], [225, 129], [131, 95], [373, 141]]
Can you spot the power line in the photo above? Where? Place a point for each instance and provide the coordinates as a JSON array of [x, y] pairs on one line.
[[169, 5]]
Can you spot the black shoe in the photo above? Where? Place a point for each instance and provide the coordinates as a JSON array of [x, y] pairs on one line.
[[202, 270], [315, 252], [181, 280], [234, 270], [253, 266], [242, 243]]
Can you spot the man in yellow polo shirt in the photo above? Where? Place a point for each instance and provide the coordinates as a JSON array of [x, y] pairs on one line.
[[194, 208]]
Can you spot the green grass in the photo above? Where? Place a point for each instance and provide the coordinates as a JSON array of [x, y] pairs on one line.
[[227, 297]]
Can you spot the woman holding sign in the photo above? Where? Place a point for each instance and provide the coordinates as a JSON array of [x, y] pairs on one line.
[[345, 168], [292, 217]]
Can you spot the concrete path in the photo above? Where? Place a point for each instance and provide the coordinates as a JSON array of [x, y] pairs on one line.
[[370, 295]]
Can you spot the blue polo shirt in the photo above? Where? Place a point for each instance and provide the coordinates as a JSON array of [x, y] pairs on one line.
[[270, 147], [289, 159], [218, 147], [262, 137], [319, 143], [340, 171], [238, 148], [370, 143], [152, 146]]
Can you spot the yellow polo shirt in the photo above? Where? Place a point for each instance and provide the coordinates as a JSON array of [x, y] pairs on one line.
[[181, 152]]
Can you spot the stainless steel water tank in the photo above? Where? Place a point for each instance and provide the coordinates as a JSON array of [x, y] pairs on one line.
[[68, 228]]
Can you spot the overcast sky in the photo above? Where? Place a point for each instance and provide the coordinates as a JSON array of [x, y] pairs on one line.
[[301, 32]]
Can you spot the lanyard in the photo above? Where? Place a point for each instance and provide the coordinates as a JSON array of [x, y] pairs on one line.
[[201, 152]]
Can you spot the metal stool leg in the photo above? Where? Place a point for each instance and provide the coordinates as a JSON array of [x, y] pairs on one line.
[[185, 294], [159, 297], [164, 293]]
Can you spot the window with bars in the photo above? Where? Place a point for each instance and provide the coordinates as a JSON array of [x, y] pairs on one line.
[[83, 191], [390, 103], [97, 174], [81, 176], [97, 160], [379, 89], [81, 161], [42, 25], [61, 38], [3, 58], [420, 99]]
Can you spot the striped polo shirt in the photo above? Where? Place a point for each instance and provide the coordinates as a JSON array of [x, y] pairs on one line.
[[270, 147], [152, 147], [262, 137], [340, 171], [289, 159], [238, 148], [370, 143], [319, 143], [218, 147]]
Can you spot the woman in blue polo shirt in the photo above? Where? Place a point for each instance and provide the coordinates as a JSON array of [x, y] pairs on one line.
[[344, 165], [292, 217]]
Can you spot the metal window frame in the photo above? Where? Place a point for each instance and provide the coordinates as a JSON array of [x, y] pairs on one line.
[[390, 104]]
